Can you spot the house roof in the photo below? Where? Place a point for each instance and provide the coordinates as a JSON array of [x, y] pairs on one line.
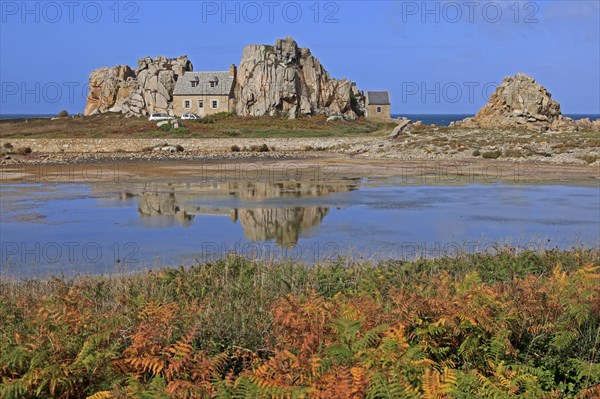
[[378, 97], [202, 87]]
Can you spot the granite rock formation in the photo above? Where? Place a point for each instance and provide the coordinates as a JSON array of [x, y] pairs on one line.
[[271, 80], [518, 103], [285, 79], [522, 103], [139, 92], [109, 87]]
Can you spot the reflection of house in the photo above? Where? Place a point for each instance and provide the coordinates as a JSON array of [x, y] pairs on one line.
[[378, 105], [177, 204], [204, 93]]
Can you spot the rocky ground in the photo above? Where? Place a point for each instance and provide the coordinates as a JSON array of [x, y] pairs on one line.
[[425, 143]]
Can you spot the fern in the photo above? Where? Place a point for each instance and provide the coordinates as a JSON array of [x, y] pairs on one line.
[[101, 395]]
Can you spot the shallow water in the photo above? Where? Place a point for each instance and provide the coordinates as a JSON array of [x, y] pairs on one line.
[[105, 228]]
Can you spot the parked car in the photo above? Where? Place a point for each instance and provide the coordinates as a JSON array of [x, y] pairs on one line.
[[190, 116], [160, 117]]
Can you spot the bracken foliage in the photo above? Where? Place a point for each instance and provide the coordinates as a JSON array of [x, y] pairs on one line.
[[510, 325]]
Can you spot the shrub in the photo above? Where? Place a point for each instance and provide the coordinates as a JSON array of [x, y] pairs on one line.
[[221, 116], [8, 146], [168, 128], [235, 148], [589, 158], [492, 154], [179, 148], [24, 150], [259, 148], [205, 120], [63, 114], [476, 153], [513, 154]]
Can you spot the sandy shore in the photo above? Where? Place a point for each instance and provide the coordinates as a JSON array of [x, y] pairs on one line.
[[311, 167]]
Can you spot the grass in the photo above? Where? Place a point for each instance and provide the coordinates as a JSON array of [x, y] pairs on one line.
[[514, 144], [216, 126], [504, 325]]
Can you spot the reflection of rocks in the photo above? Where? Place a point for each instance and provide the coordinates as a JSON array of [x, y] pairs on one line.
[[171, 203], [284, 225], [283, 189], [163, 204]]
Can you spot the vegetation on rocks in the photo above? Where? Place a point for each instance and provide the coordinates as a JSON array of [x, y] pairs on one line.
[[523, 325], [492, 154]]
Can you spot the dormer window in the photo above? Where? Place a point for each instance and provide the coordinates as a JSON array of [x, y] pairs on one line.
[[194, 83], [213, 84]]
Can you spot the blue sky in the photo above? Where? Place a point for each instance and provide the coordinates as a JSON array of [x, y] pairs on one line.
[[433, 56]]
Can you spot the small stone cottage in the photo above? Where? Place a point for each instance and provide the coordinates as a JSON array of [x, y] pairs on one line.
[[204, 93], [378, 105]]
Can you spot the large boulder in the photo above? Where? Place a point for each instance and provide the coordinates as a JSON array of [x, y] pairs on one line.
[[518, 103], [288, 80], [109, 87], [147, 89]]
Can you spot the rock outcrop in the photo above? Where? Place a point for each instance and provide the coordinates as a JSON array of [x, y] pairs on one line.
[[109, 87], [403, 125], [285, 79], [522, 103], [271, 80], [518, 103], [145, 90]]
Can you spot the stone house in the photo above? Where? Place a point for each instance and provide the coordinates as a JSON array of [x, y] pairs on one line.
[[204, 93], [378, 105]]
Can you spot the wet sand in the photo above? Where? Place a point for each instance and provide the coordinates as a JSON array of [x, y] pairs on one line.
[[322, 167]]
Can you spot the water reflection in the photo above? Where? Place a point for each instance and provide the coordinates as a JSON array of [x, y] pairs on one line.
[[260, 207], [81, 227], [162, 210]]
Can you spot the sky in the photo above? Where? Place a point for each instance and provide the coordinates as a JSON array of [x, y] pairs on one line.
[[434, 57]]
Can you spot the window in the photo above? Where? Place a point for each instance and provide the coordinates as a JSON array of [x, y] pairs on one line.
[[215, 104], [194, 83], [200, 103], [378, 109], [213, 84], [187, 104]]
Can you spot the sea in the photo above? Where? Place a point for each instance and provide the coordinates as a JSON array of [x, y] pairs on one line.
[[427, 119], [25, 116], [446, 119]]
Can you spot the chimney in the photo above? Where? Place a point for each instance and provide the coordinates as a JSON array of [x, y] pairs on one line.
[[232, 70]]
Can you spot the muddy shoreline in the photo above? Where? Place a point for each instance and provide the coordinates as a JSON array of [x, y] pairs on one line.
[[299, 167]]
